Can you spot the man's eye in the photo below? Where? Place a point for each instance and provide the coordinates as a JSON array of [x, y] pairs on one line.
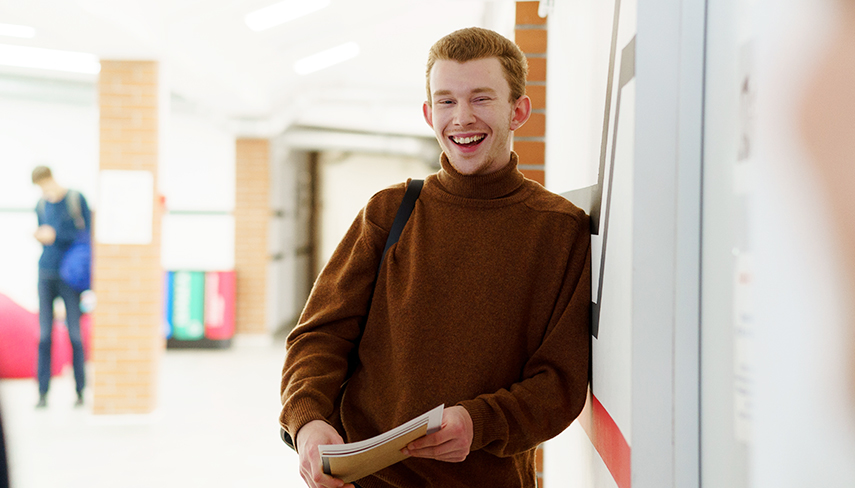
[[445, 102]]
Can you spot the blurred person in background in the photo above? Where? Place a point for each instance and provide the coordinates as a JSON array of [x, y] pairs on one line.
[[62, 215], [828, 126]]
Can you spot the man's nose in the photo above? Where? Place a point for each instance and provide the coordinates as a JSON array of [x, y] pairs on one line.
[[464, 115]]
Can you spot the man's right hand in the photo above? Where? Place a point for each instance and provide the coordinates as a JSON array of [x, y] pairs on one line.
[[309, 437], [45, 234]]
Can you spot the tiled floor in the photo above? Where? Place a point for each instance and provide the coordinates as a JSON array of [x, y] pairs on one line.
[[216, 426]]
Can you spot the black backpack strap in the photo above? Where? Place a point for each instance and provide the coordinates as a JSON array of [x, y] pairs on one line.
[[403, 215], [72, 201], [414, 188], [40, 210]]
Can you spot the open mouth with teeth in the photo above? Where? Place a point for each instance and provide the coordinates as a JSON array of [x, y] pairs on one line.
[[468, 141]]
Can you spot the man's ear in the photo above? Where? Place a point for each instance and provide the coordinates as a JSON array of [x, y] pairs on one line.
[[521, 113], [428, 113]]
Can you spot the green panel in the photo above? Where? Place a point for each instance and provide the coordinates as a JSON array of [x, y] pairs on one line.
[[188, 305]]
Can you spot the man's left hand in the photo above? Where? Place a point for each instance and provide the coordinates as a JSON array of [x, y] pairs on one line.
[[450, 443]]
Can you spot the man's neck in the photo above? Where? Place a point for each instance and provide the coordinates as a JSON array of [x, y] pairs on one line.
[[493, 167]]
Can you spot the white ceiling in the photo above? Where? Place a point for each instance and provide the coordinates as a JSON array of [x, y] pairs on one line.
[[213, 61]]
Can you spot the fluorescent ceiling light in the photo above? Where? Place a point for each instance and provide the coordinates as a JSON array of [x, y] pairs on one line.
[[282, 12], [325, 59], [52, 59], [13, 30]]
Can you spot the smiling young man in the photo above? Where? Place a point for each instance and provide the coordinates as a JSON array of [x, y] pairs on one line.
[[482, 305], [473, 112]]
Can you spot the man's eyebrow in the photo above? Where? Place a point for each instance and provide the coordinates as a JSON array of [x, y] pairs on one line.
[[484, 89]]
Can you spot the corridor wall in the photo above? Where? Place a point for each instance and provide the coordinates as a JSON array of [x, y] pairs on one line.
[[590, 159], [738, 318], [730, 155], [623, 142]]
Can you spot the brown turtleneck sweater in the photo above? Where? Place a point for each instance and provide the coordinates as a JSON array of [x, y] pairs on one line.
[[483, 302]]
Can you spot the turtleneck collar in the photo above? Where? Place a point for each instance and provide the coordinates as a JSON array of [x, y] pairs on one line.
[[482, 187]]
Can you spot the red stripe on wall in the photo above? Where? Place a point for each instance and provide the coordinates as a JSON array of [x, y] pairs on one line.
[[608, 440]]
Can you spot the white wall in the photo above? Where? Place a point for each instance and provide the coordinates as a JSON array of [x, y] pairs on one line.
[[645, 357], [580, 35], [198, 169], [580, 43], [730, 63], [197, 180]]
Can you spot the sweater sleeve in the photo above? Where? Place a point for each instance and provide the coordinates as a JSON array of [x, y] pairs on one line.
[[554, 383], [318, 349]]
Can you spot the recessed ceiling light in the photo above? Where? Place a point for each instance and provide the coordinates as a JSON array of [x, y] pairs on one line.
[[13, 30], [51, 59], [282, 12], [325, 59]]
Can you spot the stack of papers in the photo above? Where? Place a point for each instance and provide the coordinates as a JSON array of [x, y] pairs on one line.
[[350, 462]]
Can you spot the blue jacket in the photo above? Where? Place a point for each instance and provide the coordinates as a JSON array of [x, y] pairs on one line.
[[58, 216]]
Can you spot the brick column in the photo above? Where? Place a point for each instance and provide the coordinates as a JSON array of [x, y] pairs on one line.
[[252, 218], [127, 339], [529, 140]]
